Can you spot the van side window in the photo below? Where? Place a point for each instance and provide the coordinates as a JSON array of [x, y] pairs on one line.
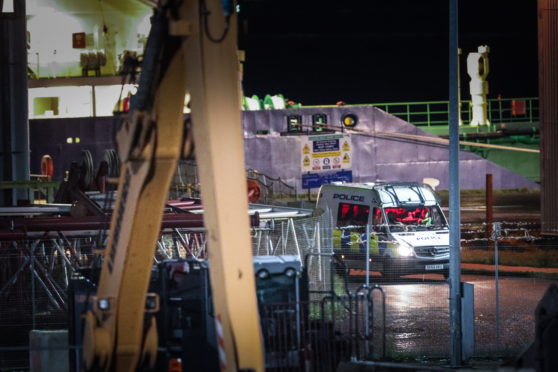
[[437, 218], [352, 214]]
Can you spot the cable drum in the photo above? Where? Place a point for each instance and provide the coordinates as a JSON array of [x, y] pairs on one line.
[[86, 170], [111, 157]]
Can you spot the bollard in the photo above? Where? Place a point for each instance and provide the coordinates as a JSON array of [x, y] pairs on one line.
[[48, 351]]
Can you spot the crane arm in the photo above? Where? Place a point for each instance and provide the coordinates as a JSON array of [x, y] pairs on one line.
[[181, 56]]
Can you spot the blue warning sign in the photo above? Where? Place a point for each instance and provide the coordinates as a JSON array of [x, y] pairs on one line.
[[326, 145], [315, 180]]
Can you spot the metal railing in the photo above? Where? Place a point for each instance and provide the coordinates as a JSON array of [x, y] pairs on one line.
[[34, 189], [317, 335], [431, 113]]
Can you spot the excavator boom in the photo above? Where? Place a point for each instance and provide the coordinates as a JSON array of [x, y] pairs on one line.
[[191, 49]]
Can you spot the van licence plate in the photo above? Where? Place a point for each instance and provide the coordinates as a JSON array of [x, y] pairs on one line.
[[434, 267]]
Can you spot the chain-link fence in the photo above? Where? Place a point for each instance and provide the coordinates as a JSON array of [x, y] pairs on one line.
[[33, 290], [415, 324], [511, 265]]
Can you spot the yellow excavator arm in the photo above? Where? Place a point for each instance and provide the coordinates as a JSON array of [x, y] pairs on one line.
[[191, 49]]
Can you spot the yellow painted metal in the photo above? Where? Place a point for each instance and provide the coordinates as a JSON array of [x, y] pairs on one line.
[[212, 75], [146, 174], [210, 71]]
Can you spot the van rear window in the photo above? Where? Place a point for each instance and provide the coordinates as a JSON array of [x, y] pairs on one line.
[[352, 214]]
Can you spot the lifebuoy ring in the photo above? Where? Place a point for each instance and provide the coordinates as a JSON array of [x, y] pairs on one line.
[[47, 166], [254, 191]]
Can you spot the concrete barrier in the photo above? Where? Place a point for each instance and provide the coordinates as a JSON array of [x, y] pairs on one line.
[[48, 351]]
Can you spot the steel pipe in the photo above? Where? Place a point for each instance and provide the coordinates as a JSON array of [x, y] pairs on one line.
[[17, 228]]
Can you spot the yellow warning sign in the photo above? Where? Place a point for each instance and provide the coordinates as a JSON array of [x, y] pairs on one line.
[[325, 153], [329, 154]]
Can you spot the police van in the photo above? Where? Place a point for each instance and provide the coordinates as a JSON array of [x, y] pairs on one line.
[[409, 233]]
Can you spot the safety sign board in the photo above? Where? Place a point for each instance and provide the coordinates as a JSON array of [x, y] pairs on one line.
[[328, 152]]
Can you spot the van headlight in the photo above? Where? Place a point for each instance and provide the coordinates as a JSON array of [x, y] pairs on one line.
[[404, 250]]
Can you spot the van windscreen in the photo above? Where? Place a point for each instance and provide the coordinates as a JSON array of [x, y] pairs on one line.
[[415, 218]]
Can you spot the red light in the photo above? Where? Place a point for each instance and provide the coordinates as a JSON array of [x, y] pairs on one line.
[[175, 365]]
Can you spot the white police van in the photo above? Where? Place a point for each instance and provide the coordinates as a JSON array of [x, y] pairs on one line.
[[409, 233]]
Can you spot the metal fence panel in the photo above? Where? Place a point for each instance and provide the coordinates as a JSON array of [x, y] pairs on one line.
[[34, 279]]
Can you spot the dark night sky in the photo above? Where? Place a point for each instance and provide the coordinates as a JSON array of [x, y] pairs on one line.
[[319, 52]]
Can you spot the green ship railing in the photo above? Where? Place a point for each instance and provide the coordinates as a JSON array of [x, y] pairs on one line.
[[432, 113]]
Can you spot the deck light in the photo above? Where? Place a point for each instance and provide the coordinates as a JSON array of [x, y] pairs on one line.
[[319, 122], [349, 120], [294, 123]]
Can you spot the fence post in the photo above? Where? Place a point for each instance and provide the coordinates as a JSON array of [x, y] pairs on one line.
[[456, 349], [293, 230], [33, 293], [318, 238], [428, 114], [500, 109], [408, 113], [370, 348], [367, 242], [369, 344], [495, 236], [369, 308], [489, 201]]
